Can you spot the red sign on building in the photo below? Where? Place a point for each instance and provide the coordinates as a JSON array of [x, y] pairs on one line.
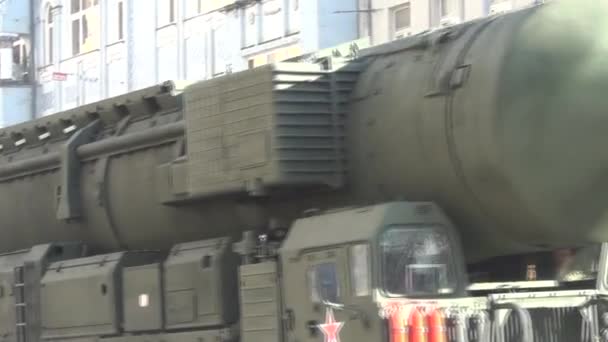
[[60, 76]]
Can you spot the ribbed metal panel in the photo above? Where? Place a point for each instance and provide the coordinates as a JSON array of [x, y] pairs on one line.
[[273, 126]]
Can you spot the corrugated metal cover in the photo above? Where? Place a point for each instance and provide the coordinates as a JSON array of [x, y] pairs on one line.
[[276, 125], [260, 306]]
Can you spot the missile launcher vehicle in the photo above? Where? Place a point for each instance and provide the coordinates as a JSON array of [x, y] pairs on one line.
[[450, 186]]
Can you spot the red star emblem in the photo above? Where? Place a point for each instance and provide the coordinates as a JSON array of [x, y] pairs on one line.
[[331, 328]]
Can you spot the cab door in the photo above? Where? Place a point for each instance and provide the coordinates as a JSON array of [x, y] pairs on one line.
[[321, 276]]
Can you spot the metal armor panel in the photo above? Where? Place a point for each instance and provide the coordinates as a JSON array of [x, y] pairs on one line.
[[277, 125], [260, 303], [200, 280], [142, 298], [88, 291]]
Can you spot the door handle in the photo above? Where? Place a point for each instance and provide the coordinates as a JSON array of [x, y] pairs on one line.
[[289, 319], [313, 329]]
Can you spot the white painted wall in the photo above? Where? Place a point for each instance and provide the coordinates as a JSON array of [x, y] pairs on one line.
[[425, 14], [194, 46]]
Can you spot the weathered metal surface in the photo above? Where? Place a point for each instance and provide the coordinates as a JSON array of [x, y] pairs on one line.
[[466, 116], [201, 285], [500, 121]]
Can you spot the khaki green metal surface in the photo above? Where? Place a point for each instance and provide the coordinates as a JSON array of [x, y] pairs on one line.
[[276, 125], [142, 314], [326, 238], [501, 121], [215, 335], [260, 303], [20, 276], [201, 284], [88, 293]]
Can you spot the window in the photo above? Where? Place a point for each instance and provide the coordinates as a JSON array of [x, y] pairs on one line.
[[120, 20], [220, 53], [49, 32], [171, 11], [272, 17], [444, 8], [196, 58], [401, 21], [115, 21], [402, 17], [193, 7], [166, 12], [20, 59], [293, 17], [323, 283], [76, 37], [359, 267], [417, 261], [85, 26], [250, 22]]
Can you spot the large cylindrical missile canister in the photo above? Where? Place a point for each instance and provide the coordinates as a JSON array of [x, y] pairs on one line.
[[500, 121]]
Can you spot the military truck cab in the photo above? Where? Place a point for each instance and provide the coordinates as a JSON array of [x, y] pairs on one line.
[[342, 269], [348, 273]]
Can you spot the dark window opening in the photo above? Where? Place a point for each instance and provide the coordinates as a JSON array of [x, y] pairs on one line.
[[171, 11], [17, 54], [50, 46], [75, 6], [323, 283], [120, 21], [403, 17], [85, 29], [76, 37]]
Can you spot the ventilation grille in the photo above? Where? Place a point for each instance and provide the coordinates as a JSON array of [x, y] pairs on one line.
[[272, 127]]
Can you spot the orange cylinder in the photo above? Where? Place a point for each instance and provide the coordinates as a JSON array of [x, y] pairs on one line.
[[398, 327], [437, 327], [418, 328]]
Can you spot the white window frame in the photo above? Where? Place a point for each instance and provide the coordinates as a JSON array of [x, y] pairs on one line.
[[116, 17], [404, 31], [166, 13], [192, 8], [444, 8], [79, 15], [360, 272], [49, 35]]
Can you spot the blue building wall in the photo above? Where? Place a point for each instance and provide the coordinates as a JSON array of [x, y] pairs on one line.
[[15, 16], [186, 43], [15, 105], [15, 37]]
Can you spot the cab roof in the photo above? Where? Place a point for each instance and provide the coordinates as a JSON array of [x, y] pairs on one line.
[[356, 224]]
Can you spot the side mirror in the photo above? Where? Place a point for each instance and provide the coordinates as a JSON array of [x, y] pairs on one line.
[[357, 313]]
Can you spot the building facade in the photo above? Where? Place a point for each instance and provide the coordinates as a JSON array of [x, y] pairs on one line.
[[386, 20], [60, 54], [92, 49]]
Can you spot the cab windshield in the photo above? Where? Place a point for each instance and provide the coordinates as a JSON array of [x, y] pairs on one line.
[[417, 261]]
